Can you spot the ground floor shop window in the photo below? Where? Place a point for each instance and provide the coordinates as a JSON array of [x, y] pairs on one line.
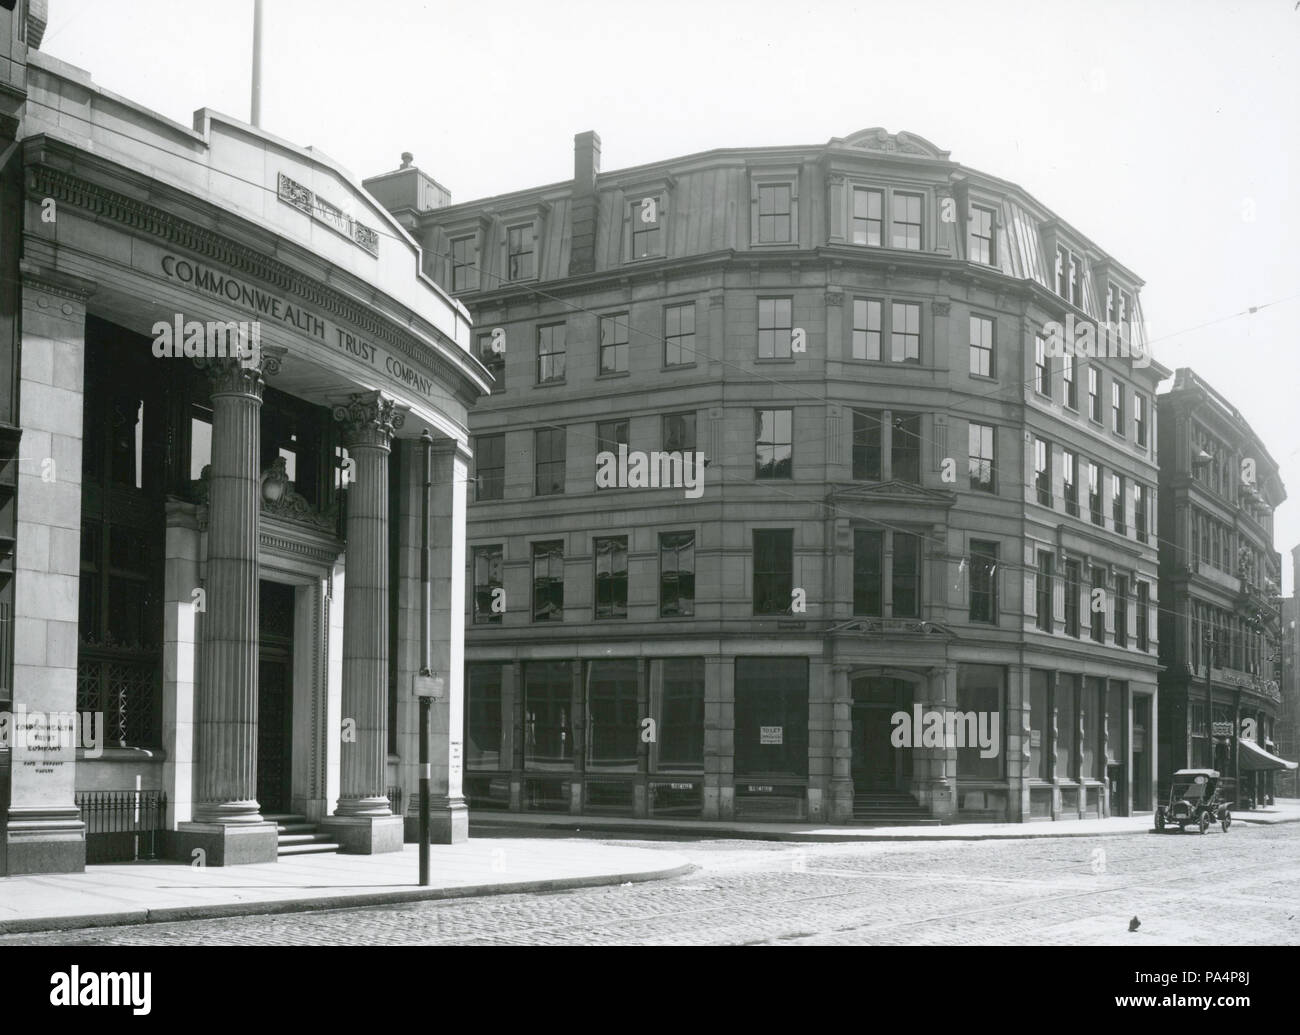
[[483, 715], [613, 717], [981, 691], [677, 708], [1067, 724], [548, 714], [1092, 702], [1040, 725], [771, 732]]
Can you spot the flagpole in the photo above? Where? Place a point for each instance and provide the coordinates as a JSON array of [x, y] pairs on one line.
[[257, 64]]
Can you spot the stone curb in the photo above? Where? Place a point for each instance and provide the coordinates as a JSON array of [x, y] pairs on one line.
[[171, 914]]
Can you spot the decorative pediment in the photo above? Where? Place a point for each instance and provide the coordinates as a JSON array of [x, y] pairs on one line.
[[281, 499], [879, 139], [892, 492], [894, 627]]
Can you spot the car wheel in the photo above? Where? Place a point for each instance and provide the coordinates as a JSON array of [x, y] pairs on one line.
[[1226, 821], [1160, 822], [1205, 822]]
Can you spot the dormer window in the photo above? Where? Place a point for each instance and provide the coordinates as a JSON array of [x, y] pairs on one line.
[[521, 244], [981, 245], [774, 205], [907, 221], [1068, 276], [646, 228], [868, 216], [464, 264], [647, 240]]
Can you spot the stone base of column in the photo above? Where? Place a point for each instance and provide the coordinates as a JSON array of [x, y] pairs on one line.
[[364, 835], [45, 840], [940, 797], [448, 822], [841, 801], [224, 844]]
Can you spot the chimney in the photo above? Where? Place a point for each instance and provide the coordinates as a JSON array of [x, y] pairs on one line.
[[583, 205]]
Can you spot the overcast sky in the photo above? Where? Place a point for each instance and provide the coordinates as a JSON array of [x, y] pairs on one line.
[[1168, 131]]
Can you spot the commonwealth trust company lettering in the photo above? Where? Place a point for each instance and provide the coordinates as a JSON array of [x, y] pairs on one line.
[[230, 289]]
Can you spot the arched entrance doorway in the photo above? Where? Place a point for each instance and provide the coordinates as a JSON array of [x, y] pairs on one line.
[[877, 766]]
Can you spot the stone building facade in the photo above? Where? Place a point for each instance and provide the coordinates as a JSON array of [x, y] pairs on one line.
[[782, 459], [1221, 637], [211, 583]]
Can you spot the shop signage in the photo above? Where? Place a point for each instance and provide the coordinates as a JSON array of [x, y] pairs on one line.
[[291, 192], [771, 734], [759, 788], [1222, 729], [681, 786]]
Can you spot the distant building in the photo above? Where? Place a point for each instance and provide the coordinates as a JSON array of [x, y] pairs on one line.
[[1220, 578], [783, 447]]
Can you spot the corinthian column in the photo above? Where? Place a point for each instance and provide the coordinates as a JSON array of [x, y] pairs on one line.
[[228, 826], [363, 821]]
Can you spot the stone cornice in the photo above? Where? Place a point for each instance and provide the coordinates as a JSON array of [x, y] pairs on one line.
[[142, 217], [54, 282]]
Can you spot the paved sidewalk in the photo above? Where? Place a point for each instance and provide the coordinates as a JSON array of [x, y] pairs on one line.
[[1287, 810], [138, 893]]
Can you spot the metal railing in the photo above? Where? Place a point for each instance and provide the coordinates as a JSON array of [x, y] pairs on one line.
[[122, 826]]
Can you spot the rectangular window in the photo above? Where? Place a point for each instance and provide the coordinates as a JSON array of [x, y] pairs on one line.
[[489, 467], [980, 244], [1141, 509], [677, 706], [774, 328], [905, 332], [548, 581], [1117, 408], [548, 461], [679, 433], [982, 466], [1092, 704], [980, 692], [611, 576], [906, 575], [1040, 726], [610, 434], [1121, 611], [868, 572], [1140, 419], [1117, 503], [983, 581], [981, 346], [907, 221], [1143, 616], [1043, 472], [771, 731], [1041, 383], [679, 335], [464, 264], [773, 570], [1070, 482], [613, 343], [1067, 379], [488, 595], [1094, 396], [866, 446], [774, 437], [905, 448], [1068, 270], [1067, 723], [866, 328], [1094, 494], [520, 246], [676, 574], [1046, 619], [548, 714], [774, 202], [613, 722], [868, 216], [550, 353], [483, 715], [1097, 605], [646, 238], [491, 351], [1073, 587]]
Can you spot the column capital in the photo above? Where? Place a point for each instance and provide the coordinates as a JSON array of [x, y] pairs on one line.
[[369, 419], [232, 377]]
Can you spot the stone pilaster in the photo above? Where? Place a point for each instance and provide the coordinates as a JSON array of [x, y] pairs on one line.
[[363, 823], [228, 827]]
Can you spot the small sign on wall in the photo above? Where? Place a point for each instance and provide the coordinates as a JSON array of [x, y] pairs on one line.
[[1035, 738], [771, 734]]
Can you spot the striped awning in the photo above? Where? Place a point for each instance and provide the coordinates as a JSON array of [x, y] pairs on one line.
[[1252, 757]]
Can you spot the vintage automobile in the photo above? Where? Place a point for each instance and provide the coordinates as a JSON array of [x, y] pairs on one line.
[[1194, 801]]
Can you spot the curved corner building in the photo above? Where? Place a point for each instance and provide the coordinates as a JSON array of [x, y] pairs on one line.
[[212, 558], [791, 503]]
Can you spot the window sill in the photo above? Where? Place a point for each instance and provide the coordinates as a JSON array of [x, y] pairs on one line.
[[775, 359], [678, 366], [610, 375], [550, 384], [990, 378]]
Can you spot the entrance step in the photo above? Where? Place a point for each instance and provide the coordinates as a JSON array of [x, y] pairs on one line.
[[297, 835], [889, 809]]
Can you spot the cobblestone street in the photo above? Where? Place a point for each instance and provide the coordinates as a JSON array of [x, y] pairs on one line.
[[1242, 887]]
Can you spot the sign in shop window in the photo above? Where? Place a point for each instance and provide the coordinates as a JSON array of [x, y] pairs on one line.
[[770, 734]]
